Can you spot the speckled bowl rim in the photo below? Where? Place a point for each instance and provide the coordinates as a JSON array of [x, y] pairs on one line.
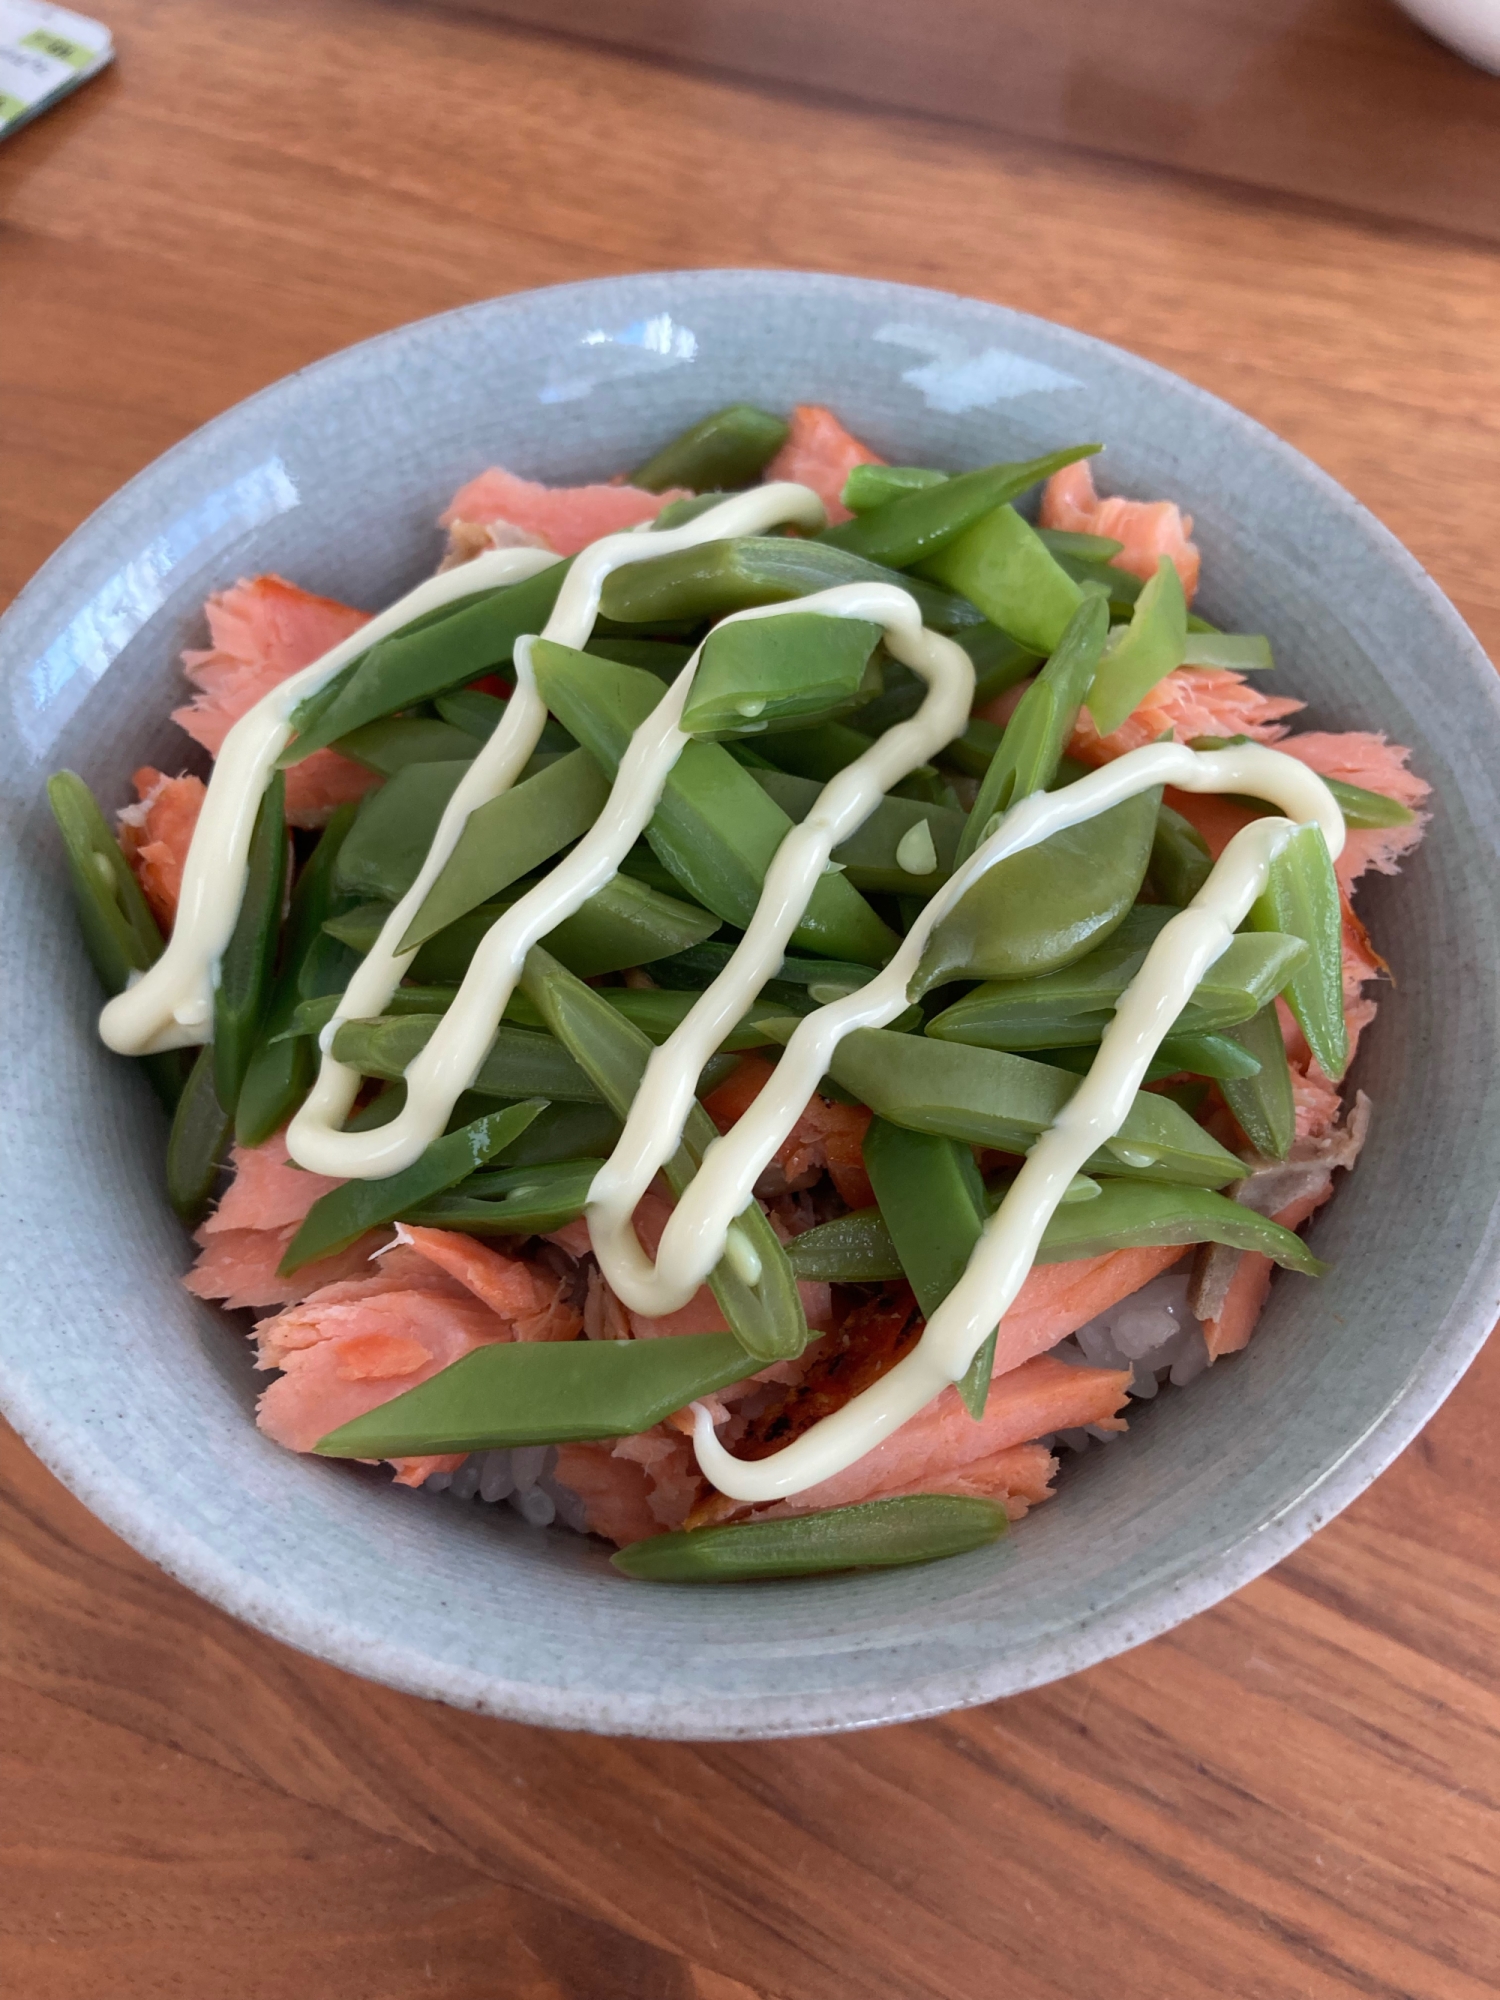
[[1145, 1614]]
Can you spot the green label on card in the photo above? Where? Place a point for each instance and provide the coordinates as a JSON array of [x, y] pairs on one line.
[[45, 43]]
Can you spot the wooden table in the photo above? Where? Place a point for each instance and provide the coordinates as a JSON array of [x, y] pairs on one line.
[[1292, 1795]]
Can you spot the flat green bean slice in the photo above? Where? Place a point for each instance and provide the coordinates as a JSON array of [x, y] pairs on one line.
[[767, 673], [198, 1141], [345, 1213], [1264, 1104], [1361, 809], [530, 1208], [1145, 652], [520, 1062], [1066, 542], [281, 1069], [931, 1198], [429, 658], [822, 979], [714, 827], [389, 745], [1302, 899], [870, 486], [919, 524], [1219, 1056], [875, 1534], [247, 969], [388, 842], [712, 578], [661, 657], [1049, 904], [765, 1317], [1037, 734], [1126, 1215], [509, 836], [1244, 652], [729, 449], [120, 934], [1074, 1005], [1180, 859], [545, 1392], [903, 846], [1002, 565], [820, 752], [311, 1017], [989, 1098], [566, 1132], [1000, 661]]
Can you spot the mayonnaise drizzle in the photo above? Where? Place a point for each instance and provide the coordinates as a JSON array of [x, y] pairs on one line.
[[171, 1005]]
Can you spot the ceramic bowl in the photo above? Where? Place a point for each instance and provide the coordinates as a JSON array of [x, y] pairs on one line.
[[140, 1398]]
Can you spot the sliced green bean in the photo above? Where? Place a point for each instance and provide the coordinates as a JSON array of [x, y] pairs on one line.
[[1038, 732], [198, 1141], [658, 656], [520, 1062], [765, 1315], [389, 745], [1126, 1215], [1363, 809], [311, 1017], [247, 969], [1264, 1104], [1075, 1005], [1000, 661], [388, 842], [345, 1213], [1148, 649], [566, 1132], [1049, 904], [712, 578], [535, 1204], [425, 659], [870, 486], [1244, 652], [989, 1098], [1002, 565], [1180, 858], [931, 1198], [120, 934], [1302, 899], [713, 827], [875, 1534], [545, 1392], [1066, 543], [889, 851], [281, 1069], [919, 524], [729, 449], [1218, 1056], [820, 752], [509, 836], [767, 673]]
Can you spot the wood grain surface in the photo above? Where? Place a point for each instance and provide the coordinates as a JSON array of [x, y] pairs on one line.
[[1293, 1795]]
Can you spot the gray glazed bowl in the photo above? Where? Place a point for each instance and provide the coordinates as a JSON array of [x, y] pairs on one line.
[[140, 1398]]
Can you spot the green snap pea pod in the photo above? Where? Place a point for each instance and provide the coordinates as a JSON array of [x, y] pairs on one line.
[[565, 1132], [1117, 588], [974, 751], [714, 828], [281, 1069], [904, 845], [1037, 733], [766, 1317], [520, 1062], [1201, 1055], [1126, 1215], [800, 983], [820, 752], [875, 1534], [919, 524], [1302, 899], [1360, 808], [411, 666], [497, 1183], [1066, 543], [1180, 859], [311, 1017], [1147, 650], [248, 966], [989, 1098], [389, 745], [1265, 1103], [729, 449], [870, 486], [1245, 652], [931, 1198], [388, 842], [770, 672], [658, 1013], [473, 711], [509, 836], [345, 1213], [712, 578], [120, 934], [545, 1392], [1000, 661], [661, 657], [1002, 565], [197, 1142], [532, 1207], [1049, 904], [677, 513], [1074, 1005]]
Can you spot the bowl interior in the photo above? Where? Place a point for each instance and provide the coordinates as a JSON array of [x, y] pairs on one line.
[[141, 1398]]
